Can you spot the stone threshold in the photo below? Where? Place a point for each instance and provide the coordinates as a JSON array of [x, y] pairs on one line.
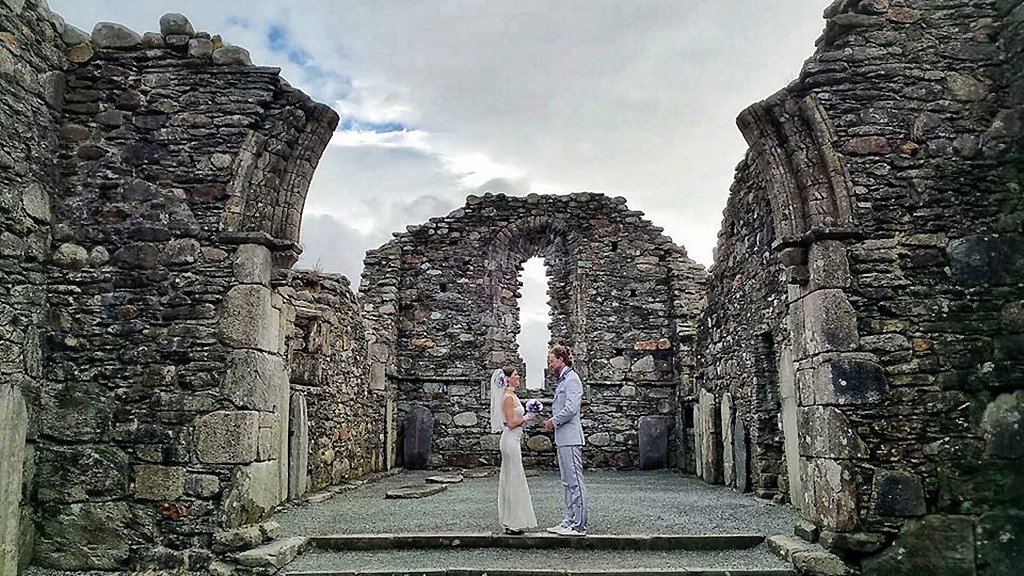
[[505, 572], [538, 541]]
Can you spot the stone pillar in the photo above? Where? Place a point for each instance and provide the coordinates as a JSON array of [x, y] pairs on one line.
[[790, 434], [728, 457], [14, 417], [698, 442], [298, 447], [711, 443]]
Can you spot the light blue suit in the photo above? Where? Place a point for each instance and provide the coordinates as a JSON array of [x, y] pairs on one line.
[[569, 442]]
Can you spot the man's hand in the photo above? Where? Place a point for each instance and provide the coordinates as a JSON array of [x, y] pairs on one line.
[[549, 425]]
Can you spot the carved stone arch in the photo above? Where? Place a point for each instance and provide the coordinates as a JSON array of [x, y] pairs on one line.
[[808, 184], [272, 173]]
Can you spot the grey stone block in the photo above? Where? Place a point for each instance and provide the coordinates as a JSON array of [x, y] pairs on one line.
[[828, 265], [81, 472], [1003, 426], [174, 23], [849, 381], [14, 416], [298, 447], [653, 442], [89, 536], [830, 322], [830, 493], [728, 455], [248, 319], [232, 56], [253, 265], [826, 433], [741, 454], [252, 494], [159, 482], [228, 437], [895, 493], [111, 35], [933, 545], [254, 380]]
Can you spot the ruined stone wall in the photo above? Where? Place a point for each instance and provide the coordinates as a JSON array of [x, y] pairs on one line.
[[894, 184], [343, 419], [163, 418], [616, 285], [741, 337], [31, 97]]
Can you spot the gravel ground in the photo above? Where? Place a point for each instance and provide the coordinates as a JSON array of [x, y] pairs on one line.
[[649, 502], [759, 558]]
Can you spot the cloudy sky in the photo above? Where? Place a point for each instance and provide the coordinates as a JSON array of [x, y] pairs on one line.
[[443, 98]]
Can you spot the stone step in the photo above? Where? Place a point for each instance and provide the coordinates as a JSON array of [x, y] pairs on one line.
[[756, 561], [538, 541]]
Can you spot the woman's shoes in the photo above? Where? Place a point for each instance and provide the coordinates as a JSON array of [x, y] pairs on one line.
[[512, 532]]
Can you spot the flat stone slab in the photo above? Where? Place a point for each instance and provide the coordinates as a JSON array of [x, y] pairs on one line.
[[445, 479], [406, 492], [275, 554], [538, 541], [479, 473]]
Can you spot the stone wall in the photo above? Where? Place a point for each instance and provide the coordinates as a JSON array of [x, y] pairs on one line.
[[623, 297], [31, 98], [742, 337], [175, 173], [892, 170], [343, 420]]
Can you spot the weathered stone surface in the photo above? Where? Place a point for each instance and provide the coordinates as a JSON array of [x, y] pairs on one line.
[[998, 539], [253, 265], [741, 455], [202, 485], [228, 437], [539, 443], [853, 543], [820, 563], [111, 35], [830, 493], [847, 382], [806, 531], [14, 416], [254, 380], [830, 323], [417, 491], [465, 419], [653, 443], [274, 555], [1003, 426], [711, 445], [200, 48], [37, 203], [826, 433], [934, 545], [89, 536], [174, 23], [159, 482], [298, 447], [252, 494], [239, 539], [896, 493], [248, 320], [445, 479], [419, 431], [232, 56], [987, 259], [63, 466], [728, 456], [70, 256], [73, 36]]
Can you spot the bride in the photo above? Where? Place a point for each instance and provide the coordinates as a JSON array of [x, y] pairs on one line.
[[515, 508]]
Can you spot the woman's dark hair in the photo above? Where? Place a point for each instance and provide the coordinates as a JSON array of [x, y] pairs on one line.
[[508, 370], [563, 354]]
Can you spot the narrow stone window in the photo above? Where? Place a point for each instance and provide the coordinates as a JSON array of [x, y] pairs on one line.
[[615, 245], [443, 288], [534, 318], [632, 293]]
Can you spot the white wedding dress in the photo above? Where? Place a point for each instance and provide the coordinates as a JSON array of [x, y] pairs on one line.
[[515, 508]]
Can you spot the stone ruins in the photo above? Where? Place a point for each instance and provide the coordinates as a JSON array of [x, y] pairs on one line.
[[857, 348]]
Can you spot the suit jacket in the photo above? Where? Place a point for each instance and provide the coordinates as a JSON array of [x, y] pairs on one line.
[[565, 409]]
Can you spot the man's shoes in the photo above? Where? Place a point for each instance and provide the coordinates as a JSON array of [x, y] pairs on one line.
[[560, 530], [512, 532], [571, 532]]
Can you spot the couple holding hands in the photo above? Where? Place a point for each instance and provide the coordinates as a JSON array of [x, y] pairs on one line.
[[508, 415]]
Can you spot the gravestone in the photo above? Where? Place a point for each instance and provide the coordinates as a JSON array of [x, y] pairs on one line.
[[653, 442], [698, 442], [419, 430], [741, 454], [728, 464], [298, 447]]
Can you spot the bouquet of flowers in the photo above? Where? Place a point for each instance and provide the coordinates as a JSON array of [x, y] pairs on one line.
[[534, 406]]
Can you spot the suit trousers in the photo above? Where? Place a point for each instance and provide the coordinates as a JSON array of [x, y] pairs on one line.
[[570, 466]]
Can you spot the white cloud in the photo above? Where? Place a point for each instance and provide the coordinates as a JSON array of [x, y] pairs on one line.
[[636, 98]]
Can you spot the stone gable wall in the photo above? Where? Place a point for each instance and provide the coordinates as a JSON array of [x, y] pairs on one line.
[[617, 287]]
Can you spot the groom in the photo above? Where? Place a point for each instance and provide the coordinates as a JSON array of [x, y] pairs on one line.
[[565, 422]]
